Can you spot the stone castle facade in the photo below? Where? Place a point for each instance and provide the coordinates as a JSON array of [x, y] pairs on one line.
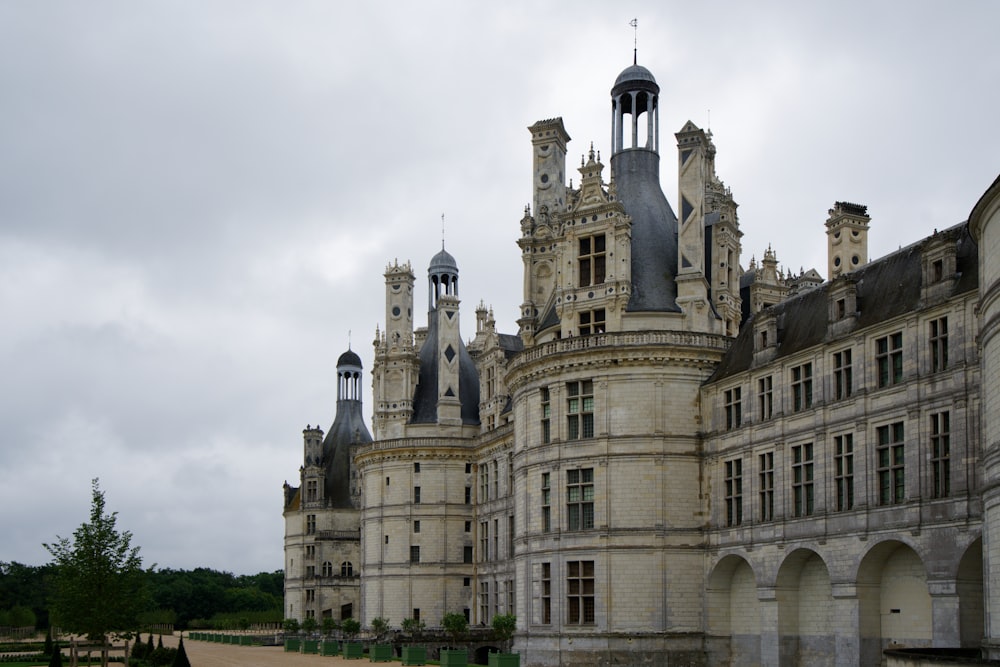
[[674, 460]]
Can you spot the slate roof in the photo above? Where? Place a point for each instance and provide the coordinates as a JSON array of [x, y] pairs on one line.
[[886, 288], [425, 396]]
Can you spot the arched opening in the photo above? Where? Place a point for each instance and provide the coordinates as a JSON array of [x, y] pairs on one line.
[[894, 604], [733, 614], [969, 586], [805, 610]]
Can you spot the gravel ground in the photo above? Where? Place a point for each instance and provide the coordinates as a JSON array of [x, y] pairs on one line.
[[210, 654]]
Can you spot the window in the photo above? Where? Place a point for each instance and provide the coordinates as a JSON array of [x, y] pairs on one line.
[[510, 474], [468, 526], [889, 359], [765, 398], [802, 480], [496, 479], [766, 462], [939, 344], [941, 454], [467, 554], [891, 472], [414, 554], [734, 492], [510, 536], [579, 592], [484, 541], [468, 495], [546, 504], [310, 613], [841, 308], [416, 526], [580, 498], [346, 569], [937, 269], [546, 417], [416, 468], [416, 495], [802, 387], [842, 375], [496, 596], [580, 409], [310, 551], [592, 260], [327, 569], [468, 468], [310, 571], [496, 538], [484, 601], [466, 581], [387, 481], [416, 614], [592, 322], [310, 595], [511, 599], [312, 490], [546, 597], [484, 482], [310, 524], [734, 408], [843, 470]]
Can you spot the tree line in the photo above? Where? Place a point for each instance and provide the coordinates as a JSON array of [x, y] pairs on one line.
[[185, 598]]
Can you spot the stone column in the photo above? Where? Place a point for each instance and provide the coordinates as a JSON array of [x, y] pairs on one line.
[[945, 614], [846, 624], [770, 634]]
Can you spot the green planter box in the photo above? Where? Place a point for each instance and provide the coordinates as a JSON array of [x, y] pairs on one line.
[[380, 653], [246, 640], [454, 658], [311, 646], [293, 645], [329, 648], [504, 660], [353, 650], [414, 655]]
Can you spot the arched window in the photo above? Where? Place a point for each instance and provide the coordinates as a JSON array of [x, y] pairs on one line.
[[327, 569], [346, 569]]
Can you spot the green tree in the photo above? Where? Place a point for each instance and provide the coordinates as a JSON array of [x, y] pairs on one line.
[[350, 626], [181, 658], [380, 626], [291, 625], [99, 585], [504, 626], [455, 625], [309, 625]]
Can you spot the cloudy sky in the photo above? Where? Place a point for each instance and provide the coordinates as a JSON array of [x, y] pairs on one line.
[[198, 200]]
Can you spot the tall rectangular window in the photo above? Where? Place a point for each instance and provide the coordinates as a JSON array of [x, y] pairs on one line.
[[414, 554], [416, 495], [496, 539], [496, 478], [484, 541], [939, 344], [734, 408], [546, 406], [889, 359], [579, 592], [546, 594], [510, 536], [843, 379], [468, 495], [484, 601], [310, 524], [484, 482], [592, 322], [941, 453], [802, 387], [580, 498], [890, 468], [416, 526], [592, 260], [734, 492], [843, 470], [312, 490], [546, 503], [766, 476], [511, 596], [510, 474], [802, 480], [765, 398], [580, 409], [466, 554]]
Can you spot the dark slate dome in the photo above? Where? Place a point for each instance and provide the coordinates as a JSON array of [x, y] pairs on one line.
[[443, 262], [634, 74], [349, 358]]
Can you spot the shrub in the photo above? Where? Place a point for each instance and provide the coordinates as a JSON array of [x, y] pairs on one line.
[[350, 626], [291, 625], [413, 625], [455, 624], [380, 626]]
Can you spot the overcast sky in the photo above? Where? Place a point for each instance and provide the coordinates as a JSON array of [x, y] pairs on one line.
[[198, 201]]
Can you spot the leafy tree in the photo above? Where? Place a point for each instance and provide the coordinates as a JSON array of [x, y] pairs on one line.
[[380, 626], [48, 643], [21, 617], [309, 625], [99, 585], [504, 626], [413, 625], [291, 625], [149, 646], [56, 659], [455, 625], [329, 625], [350, 626], [159, 643]]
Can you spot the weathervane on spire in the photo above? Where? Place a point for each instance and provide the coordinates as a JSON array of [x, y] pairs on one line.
[[442, 231], [635, 40]]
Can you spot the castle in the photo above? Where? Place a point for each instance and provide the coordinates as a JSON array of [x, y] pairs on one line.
[[674, 460]]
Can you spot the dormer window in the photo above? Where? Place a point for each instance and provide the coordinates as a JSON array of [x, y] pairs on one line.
[[937, 270], [592, 260], [841, 308], [765, 331]]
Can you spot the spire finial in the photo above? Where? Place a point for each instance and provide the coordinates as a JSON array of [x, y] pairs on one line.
[[635, 40], [442, 231], [348, 340]]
